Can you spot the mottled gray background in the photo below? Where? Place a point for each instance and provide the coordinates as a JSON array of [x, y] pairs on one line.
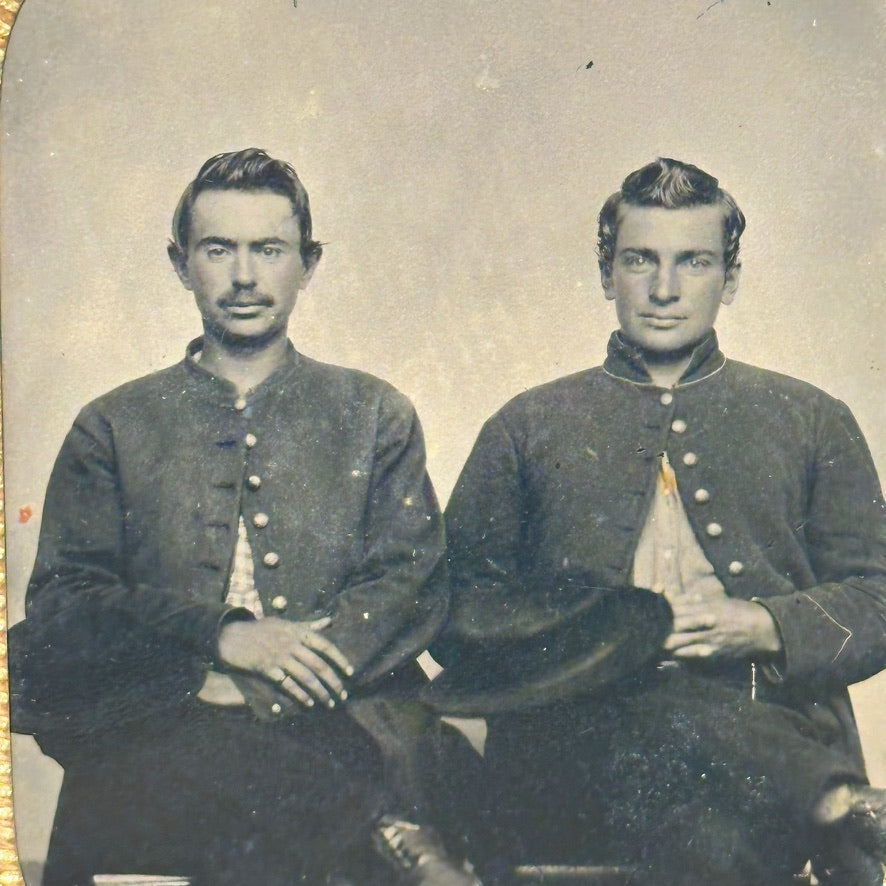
[[456, 154]]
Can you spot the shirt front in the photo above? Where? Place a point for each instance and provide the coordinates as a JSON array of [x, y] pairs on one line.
[[669, 560]]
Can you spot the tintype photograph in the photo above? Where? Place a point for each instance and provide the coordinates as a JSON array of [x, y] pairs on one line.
[[441, 442]]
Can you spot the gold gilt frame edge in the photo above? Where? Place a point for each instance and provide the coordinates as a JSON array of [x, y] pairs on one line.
[[10, 871]]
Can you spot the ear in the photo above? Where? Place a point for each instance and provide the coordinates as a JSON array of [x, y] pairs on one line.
[[180, 263], [730, 285], [310, 264], [606, 280]]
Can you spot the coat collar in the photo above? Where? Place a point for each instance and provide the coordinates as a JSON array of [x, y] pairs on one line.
[[625, 360], [221, 391]]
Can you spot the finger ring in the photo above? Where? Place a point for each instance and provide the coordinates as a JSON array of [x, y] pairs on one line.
[[283, 679]]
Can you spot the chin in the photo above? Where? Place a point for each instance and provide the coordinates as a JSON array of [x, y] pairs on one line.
[[665, 347], [244, 336], [665, 344]]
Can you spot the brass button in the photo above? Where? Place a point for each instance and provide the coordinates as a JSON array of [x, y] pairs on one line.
[[276, 708], [736, 567], [690, 459], [260, 520], [253, 481], [678, 426], [714, 530], [240, 404], [666, 398], [279, 603], [251, 440], [271, 559], [702, 496]]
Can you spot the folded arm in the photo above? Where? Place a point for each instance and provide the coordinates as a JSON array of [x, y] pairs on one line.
[[395, 599], [835, 631]]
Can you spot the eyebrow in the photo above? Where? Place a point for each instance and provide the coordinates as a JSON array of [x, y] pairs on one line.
[[696, 253], [681, 256], [638, 250], [232, 244]]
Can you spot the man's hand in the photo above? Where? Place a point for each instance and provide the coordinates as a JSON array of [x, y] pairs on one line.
[[727, 628], [293, 655]]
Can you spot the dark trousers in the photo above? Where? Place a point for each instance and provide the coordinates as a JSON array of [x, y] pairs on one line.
[[214, 794], [679, 773]]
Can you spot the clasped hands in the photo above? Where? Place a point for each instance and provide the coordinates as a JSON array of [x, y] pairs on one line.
[[293, 655], [724, 628]]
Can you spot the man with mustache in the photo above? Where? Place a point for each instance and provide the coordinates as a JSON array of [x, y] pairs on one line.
[[239, 560], [745, 499]]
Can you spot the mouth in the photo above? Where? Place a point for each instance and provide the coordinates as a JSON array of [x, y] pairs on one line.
[[667, 321], [244, 309]]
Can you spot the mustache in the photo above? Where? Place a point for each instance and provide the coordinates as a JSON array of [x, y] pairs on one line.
[[244, 298]]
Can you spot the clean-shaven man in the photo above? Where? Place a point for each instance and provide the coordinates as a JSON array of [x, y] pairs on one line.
[[749, 502]]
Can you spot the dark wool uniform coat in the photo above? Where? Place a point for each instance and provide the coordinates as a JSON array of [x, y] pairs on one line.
[[326, 466], [777, 484]]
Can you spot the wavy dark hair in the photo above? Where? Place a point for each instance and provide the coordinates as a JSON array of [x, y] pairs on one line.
[[246, 170], [670, 184]]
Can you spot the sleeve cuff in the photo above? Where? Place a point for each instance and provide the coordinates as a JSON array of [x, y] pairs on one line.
[[772, 670], [230, 613]]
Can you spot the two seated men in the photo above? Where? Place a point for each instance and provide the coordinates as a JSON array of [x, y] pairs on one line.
[[664, 573]]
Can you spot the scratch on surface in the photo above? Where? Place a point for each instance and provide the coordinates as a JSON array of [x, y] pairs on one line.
[[710, 7], [830, 618], [484, 81], [495, 567]]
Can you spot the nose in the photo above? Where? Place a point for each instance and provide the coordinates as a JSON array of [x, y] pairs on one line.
[[244, 269], [664, 286]]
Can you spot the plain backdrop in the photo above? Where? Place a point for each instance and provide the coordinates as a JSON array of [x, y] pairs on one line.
[[456, 153]]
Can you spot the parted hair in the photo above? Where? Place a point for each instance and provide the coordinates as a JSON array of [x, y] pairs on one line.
[[670, 184], [246, 170]]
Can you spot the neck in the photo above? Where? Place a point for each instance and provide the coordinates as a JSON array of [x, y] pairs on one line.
[[244, 365], [664, 370]]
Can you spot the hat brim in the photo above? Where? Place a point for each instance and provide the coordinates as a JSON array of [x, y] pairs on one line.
[[611, 637]]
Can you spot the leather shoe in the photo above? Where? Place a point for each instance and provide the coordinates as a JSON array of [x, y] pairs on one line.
[[866, 819], [417, 851]]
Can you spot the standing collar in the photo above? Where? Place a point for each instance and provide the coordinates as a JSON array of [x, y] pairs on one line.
[[625, 360], [225, 389]]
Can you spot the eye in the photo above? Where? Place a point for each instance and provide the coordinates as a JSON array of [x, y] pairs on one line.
[[697, 263], [216, 253], [634, 260], [271, 251]]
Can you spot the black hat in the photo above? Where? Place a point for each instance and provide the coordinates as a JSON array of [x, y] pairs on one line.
[[609, 634]]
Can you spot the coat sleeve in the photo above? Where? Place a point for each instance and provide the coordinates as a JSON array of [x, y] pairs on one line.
[[395, 600], [484, 525], [835, 631], [80, 574]]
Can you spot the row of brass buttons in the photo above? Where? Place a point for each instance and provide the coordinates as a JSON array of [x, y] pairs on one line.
[[701, 496], [260, 520]]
